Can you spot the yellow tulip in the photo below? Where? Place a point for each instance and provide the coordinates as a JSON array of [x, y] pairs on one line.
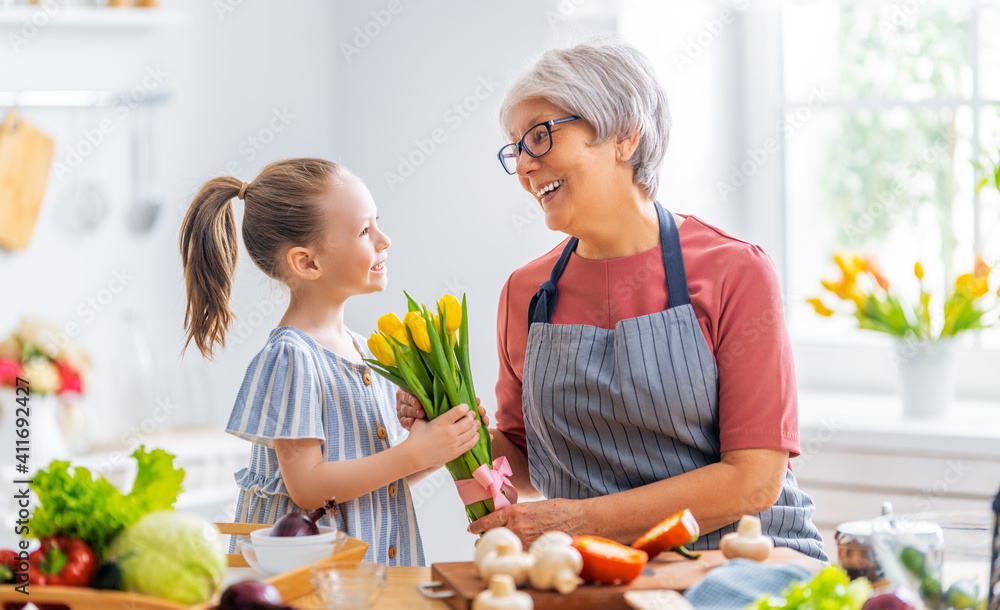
[[841, 289], [452, 313], [918, 270], [820, 308], [379, 346], [971, 286], [418, 328], [850, 270], [859, 298], [390, 325]]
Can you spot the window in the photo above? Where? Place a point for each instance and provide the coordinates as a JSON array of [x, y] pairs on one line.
[[827, 125]]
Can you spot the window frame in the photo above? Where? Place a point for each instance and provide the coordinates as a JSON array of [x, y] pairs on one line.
[[822, 365]]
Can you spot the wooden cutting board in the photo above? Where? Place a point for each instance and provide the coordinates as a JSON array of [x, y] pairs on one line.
[[668, 571], [25, 159]]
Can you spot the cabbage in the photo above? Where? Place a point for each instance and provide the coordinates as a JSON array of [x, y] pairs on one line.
[[177, 556]]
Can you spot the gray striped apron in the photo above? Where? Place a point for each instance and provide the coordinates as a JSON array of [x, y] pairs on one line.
[[610, 410]]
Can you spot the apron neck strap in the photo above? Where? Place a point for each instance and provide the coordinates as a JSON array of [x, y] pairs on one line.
[[673, 261], [544, 302]]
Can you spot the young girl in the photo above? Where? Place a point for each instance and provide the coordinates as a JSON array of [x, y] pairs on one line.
[[322, 423]]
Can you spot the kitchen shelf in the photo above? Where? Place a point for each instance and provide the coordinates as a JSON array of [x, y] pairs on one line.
[[125, 18]]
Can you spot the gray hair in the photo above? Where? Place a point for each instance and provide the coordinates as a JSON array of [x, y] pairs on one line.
[[612, 86]]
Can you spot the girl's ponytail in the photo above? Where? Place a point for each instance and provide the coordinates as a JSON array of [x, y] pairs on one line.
[[209, 255]]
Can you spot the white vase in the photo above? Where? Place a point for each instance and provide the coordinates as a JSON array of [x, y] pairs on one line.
[[926, 376], [45, 436]]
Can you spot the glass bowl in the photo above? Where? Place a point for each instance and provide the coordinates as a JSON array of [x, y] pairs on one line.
[[348, 584], [944, 557]]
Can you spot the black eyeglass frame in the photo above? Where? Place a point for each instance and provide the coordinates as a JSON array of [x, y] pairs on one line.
[[519, 145]]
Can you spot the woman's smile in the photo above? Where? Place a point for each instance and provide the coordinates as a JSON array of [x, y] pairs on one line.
[[548, 191]]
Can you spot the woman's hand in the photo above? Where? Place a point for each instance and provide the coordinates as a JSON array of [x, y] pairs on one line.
[[443, 439], [532, 519], [409, 409]]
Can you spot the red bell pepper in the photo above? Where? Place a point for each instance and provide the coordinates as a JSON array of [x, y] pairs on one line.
[[607, 561], [670, 534], [62, 561]]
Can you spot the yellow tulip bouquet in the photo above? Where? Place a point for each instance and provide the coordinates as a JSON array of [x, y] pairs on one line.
[[427, 354], [877, 307]]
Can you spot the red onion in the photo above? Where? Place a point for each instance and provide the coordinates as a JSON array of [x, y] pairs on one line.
[[298, 524], [250, 595], [886, 601]]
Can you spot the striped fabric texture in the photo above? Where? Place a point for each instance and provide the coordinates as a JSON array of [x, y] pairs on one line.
[[295, 388], [610, 410]]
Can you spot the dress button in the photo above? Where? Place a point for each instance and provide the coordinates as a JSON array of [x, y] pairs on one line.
[[367, 379], [392, 490], [381, 432], [392, 552]]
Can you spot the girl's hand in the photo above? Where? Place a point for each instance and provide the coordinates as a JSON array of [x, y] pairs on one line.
[[444, 438], [409, 409]]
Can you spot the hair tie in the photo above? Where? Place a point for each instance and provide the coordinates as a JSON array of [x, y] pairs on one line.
[[243, 191]]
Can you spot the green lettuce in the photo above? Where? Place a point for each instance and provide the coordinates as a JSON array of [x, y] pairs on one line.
[[72, 503], [831, 589]]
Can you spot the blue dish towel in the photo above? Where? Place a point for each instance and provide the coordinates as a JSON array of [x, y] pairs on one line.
[[741, 581]]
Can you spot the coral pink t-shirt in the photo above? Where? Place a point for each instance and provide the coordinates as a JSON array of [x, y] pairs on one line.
[[736, 298]]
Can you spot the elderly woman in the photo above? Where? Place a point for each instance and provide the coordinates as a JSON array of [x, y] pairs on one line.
[[644, 362]]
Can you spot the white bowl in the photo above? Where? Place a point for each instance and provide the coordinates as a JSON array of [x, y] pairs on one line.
[[263, 537], [271, 560]]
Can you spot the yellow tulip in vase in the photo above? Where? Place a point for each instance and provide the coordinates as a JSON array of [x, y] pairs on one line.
[[924, 334]]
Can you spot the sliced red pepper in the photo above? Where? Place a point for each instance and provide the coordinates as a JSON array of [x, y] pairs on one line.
[[61, 560], [672, 533], [608, 562]]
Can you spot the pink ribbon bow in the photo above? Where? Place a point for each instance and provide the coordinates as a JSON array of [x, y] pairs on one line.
[[489, 482]]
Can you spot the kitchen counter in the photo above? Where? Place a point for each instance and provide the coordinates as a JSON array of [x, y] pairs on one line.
[[401, 591]]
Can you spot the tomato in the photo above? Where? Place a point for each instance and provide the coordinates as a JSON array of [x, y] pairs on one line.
[[674, 531], [608, 562]]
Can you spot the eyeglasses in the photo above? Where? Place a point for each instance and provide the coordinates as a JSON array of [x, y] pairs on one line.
[[536, 142]]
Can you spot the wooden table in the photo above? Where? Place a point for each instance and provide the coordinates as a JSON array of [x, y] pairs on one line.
[[400, 593]]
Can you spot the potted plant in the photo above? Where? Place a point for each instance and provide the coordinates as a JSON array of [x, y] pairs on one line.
[[924, 332]]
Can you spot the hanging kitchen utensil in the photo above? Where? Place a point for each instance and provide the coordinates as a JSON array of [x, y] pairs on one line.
[[145, 208], [93, 204], [25, 160], [84, 204]]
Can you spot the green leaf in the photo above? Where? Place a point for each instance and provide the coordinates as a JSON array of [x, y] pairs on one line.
[[982, 183], [410, 303], [389, 374], [72, 503]]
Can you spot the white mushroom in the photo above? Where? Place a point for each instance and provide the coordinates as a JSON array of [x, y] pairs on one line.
[[506, 559], [746, 542], [558, 567], [549, 539], [488, 541], [501, 595]]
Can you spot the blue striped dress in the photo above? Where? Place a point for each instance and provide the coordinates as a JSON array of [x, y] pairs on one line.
[[295, 388]]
